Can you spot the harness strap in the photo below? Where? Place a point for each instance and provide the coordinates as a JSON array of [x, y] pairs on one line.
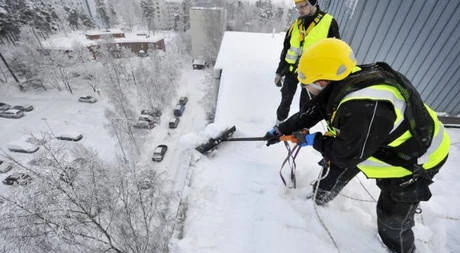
[[397, 159], [304, 33]]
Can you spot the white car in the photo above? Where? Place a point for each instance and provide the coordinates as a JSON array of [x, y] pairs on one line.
[[22, 146], [87, 99], [12, 114], [198, 64], [5, 166]]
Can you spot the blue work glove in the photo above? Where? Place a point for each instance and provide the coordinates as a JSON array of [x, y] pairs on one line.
[[304, 138], [272, 136]]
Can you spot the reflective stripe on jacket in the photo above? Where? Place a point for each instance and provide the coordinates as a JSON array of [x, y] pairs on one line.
[[436, 152], [318, 32]]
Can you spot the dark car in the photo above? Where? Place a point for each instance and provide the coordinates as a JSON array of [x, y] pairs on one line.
[[183, 100], [17, 178], [87, 99], [179, 110], [159, 153], [174, 122], [24, 108], [4, 106], [154, 112]]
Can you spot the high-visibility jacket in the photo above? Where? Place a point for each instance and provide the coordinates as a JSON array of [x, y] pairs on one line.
[[404, 143], [437, 151], [302, 37]]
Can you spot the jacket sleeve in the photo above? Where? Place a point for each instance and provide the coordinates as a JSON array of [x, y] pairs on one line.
[[364, 126], [283, 66], [306, 118]]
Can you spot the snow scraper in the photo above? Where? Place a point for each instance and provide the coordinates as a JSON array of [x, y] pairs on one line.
[[224, 136]]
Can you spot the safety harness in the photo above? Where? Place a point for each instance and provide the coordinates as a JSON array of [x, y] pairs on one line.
[[417, 119]]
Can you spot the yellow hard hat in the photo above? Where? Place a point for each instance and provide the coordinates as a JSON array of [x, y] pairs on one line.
[[328, 59], [298, 1]]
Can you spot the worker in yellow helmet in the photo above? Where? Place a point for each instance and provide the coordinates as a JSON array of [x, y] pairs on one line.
[[311, 25], [377, 125]]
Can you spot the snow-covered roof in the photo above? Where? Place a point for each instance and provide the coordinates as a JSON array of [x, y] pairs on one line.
[[79, 39]]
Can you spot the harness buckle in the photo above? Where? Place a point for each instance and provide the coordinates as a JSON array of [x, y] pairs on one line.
[[418, 172]]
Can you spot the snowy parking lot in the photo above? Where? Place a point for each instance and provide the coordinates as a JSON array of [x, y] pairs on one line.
[[64, 115]]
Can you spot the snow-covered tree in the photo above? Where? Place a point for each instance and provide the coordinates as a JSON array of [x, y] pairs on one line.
[[77, 203]]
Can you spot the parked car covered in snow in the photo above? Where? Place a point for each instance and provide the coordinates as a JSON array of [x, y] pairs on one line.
[[70, 136], [144, 124], [5, 166], [22, 149], [155, 112], [146, 117], [23, 145], [198, 64], [24, 108], [159, 153], [17, 178], [12, 114], [87, 99]]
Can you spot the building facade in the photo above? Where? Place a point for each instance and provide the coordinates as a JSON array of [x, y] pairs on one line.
[[418, 38]]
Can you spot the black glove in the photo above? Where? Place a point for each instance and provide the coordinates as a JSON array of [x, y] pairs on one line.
[[278, 80], [272, 136], [286, 69]]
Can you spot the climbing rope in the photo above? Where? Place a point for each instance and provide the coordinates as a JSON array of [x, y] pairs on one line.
[[315, 206]]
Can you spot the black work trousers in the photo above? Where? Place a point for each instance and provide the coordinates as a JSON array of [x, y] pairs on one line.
[[287, 94], [396, 205]]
